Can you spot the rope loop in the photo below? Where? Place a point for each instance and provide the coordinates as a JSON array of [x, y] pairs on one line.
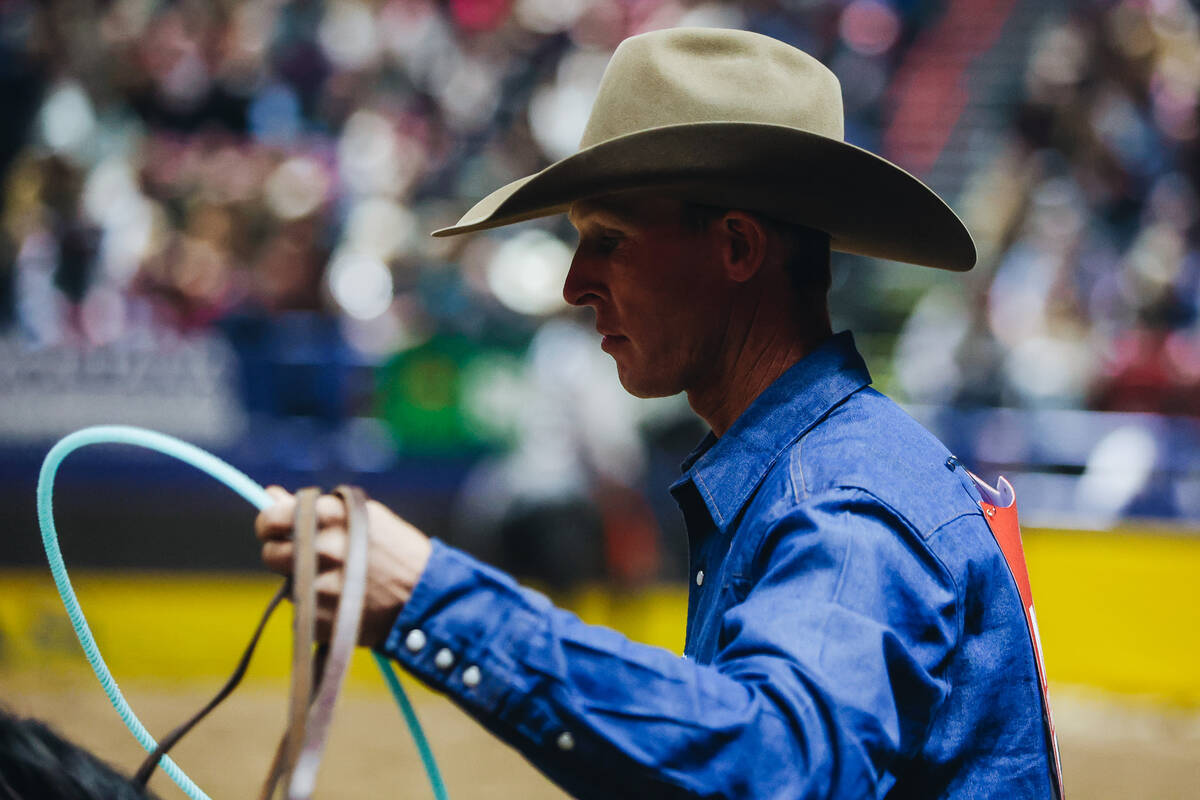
[[242, 485]]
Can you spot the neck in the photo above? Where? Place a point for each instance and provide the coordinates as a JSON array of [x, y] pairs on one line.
[[750, 363]]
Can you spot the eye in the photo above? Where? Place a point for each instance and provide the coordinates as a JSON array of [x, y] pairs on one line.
[[607, 242]]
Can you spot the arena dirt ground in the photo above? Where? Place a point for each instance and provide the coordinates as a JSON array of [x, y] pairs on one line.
[[1111, 748]]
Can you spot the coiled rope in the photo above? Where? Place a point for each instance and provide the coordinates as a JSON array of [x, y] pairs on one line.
[[238, 482]]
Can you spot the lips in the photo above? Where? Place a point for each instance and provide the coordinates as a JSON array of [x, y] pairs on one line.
[[610, 341], [608, 331]]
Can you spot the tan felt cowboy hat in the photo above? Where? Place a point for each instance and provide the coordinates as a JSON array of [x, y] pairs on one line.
[[736, 120]]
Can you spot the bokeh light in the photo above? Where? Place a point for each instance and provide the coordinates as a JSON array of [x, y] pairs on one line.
[[361, 284], [68, 118], [296, 188], [526, 273]]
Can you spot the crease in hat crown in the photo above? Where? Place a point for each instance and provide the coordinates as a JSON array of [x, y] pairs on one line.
[[686, 76]]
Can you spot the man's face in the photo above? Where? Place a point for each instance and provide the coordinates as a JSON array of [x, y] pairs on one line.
[[656, 285]]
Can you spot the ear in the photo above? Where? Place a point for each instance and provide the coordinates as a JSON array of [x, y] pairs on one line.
[[743, 240]]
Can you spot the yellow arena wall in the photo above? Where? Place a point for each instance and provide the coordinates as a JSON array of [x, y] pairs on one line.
[[1118, 611]]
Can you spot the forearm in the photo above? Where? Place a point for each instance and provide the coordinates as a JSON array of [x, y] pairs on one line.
[[604, 716]]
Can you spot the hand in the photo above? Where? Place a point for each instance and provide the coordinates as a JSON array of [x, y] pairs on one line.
[[398, 553]]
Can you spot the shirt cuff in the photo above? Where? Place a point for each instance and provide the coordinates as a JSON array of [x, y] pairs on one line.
[[464, 631]]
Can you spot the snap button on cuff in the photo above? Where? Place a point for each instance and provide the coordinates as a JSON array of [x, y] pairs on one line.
[[471, 677], [415, 640]]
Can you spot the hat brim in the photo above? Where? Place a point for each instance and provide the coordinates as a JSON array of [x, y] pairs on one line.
[[865, 203]]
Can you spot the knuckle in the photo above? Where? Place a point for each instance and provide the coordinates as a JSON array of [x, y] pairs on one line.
[[274, 521], [330, 508], [331, 544], [329, 584]]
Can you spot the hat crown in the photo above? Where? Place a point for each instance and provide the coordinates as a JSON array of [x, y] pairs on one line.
[[693, 75]]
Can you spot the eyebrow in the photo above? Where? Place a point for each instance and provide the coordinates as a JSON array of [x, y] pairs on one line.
[[592, 208]]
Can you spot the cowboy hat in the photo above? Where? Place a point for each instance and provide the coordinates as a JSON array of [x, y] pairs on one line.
[[736, 120]]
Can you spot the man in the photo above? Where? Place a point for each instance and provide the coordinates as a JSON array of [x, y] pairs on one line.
[[853, 628]]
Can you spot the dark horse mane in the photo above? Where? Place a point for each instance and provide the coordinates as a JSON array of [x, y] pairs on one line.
[[38, 764]]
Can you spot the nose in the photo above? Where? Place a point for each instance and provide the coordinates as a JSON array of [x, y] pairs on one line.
[[579, 288]]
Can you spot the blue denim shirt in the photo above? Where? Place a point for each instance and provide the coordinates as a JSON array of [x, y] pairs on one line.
[[853, 630]]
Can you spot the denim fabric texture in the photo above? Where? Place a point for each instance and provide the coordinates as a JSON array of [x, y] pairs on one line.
[[856, 632]]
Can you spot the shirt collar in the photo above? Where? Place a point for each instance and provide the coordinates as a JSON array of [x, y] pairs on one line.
[[727, 470]]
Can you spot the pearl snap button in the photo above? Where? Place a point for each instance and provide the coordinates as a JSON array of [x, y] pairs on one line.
[[415, 640], [700, 578], [444, 659], [566, 741], [471, 677]]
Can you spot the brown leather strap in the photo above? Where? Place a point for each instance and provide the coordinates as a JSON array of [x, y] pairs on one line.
[[346, 626], [304, 622], [317, 676]]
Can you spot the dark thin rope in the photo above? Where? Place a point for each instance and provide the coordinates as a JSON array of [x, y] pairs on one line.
[[167, 742]]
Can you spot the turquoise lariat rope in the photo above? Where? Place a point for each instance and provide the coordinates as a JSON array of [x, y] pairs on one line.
[[240, 483]]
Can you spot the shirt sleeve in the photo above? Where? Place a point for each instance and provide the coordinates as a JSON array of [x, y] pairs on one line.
[[826, 671]]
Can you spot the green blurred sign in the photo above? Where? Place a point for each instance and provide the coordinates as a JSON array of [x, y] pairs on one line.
[[449, 396]]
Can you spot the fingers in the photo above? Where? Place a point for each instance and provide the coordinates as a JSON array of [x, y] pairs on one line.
[[278, 492], [399, 554], [275, 521], [328, 586], [277, 556], [330, 511], [330, 544]]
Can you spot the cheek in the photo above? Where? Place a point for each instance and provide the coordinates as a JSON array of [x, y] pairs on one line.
[[667, 299], [660, 293], [668, 338], [658, 323]]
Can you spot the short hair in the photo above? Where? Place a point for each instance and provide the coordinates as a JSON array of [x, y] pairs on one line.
[[807, 249], [35, 762]]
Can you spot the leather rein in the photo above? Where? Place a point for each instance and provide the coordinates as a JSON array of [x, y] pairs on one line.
[[317, 671]]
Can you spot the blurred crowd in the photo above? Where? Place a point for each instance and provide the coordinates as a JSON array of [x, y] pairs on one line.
[[169, 166], [266, 172], [201, 165], [1089, 280]]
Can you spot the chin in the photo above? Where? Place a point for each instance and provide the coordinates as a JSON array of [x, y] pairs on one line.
[[647, 386]]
